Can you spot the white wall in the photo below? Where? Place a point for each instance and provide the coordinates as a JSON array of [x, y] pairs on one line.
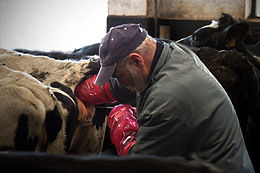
[[52, 24]]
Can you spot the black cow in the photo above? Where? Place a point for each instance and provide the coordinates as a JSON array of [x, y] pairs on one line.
[[77, 54]]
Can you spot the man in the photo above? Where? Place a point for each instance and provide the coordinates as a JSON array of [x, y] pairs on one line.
[[181, 108]]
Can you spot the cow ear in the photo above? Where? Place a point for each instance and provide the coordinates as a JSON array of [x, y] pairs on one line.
[[236, 33]]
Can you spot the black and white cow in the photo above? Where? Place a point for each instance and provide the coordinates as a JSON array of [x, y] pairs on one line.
[[227, 33], [34, 116], [66, 75], [48, 70]]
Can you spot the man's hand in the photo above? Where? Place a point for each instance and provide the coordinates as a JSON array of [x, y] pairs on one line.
[[123, 127], [89, 93]]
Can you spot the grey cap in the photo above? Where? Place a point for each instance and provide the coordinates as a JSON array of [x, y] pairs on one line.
[[119, 42]]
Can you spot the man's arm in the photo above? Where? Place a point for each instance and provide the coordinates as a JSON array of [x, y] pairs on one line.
[[90, 93], [123, 127]]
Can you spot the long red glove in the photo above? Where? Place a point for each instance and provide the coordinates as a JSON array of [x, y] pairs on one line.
[[90, 93], [123, 127]]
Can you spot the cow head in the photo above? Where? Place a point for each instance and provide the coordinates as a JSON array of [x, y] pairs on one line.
[[221, 34]]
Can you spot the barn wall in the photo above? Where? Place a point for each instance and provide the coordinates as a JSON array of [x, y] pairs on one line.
[[171, 17], [134, 11], [127, 8], [200, 9], [180, 9]]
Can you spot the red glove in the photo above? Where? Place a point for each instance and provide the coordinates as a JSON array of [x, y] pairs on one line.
[[123, 127], [90, 93]]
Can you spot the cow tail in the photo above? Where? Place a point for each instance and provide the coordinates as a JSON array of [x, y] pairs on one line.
[[43, 139]]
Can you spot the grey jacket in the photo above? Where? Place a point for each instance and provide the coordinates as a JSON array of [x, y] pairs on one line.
[[184, 110]]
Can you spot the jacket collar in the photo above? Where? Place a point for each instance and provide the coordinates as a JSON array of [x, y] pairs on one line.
[[160, 63]]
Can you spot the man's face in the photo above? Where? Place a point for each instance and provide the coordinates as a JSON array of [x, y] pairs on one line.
[[130, 76]]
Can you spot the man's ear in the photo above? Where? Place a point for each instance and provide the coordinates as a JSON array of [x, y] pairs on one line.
[[136, 59]]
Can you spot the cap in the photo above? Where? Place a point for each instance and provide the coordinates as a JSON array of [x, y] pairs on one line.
[[119, 42]]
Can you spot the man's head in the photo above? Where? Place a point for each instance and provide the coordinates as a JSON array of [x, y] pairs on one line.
[[117, 44]]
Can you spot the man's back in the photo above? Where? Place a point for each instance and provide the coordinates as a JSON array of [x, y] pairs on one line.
[[187, 111]]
